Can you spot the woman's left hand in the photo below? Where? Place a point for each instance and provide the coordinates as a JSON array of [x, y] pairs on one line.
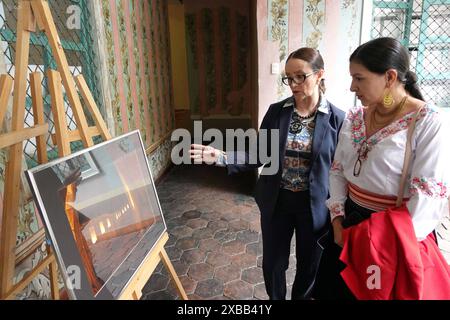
[[338, 230]]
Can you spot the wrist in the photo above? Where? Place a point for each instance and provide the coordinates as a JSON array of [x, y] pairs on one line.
[[337, 221], [336, 210], [221, 159]]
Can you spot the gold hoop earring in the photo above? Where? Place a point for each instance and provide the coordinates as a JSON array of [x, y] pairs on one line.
[[388, 99]]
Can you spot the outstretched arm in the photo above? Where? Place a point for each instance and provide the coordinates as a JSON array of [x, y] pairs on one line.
[[237, 161]]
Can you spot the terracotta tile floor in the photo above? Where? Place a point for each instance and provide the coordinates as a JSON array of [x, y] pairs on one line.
[[214, 236]]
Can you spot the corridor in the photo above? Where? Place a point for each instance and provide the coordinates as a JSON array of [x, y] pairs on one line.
[[214, 236]]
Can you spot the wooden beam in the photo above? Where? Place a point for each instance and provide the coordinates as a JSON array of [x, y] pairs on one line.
[[6, 82], [74, 135], [38, 114], [92, 106], [41, 145], [29, 246], [133, 290], [11, 138], [29, 18], [14, 165], [166, 260], [53, 275], [59, 113], [29, 277], [41, 7], [39, 23]]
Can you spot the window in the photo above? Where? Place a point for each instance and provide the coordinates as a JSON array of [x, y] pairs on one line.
[[423, 26]]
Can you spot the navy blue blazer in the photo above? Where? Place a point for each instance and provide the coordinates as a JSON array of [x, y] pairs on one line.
[[328, 124]]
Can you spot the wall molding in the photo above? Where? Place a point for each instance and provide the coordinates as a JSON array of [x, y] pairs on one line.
[[158, 143]]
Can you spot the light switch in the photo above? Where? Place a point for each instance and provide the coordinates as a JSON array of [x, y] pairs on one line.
[[275, 68]]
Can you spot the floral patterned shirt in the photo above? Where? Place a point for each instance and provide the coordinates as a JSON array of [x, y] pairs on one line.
[[297, 161], [297, 165]]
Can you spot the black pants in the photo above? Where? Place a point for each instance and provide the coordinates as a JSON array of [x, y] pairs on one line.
[[330, 285], [292, 213]]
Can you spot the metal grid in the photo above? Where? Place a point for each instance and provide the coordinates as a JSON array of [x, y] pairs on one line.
[[423, 26], [77, 43]]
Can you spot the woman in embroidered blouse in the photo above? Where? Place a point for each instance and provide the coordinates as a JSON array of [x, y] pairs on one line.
[[293, 197], [368, 163]]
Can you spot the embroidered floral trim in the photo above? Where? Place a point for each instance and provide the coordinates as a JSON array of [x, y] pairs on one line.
[[356, 116], [337, 166], [429, 187], [358, 130], [336, 210]]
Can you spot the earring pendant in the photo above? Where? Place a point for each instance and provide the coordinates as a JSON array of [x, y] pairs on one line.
[[388, 100]]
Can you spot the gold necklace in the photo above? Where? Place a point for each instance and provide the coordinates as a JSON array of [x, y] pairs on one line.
[[390, 116]]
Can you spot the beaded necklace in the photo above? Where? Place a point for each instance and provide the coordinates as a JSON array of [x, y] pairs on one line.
[[310, 115], [299, 122]]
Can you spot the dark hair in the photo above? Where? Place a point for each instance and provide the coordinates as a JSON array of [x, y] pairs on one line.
[[313, 57], [381, 54]]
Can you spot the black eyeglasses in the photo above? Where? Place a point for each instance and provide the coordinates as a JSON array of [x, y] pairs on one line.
[[297, 79], [362, 155]]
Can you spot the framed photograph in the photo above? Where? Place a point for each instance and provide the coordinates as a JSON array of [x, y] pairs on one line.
[[101, 212], [86, 164]]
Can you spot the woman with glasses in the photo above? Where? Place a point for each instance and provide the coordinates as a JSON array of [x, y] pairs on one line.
[[391, 254], [292, 199]]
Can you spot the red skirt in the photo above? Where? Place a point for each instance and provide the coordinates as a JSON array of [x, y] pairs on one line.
[[436, 274], [405, 268]]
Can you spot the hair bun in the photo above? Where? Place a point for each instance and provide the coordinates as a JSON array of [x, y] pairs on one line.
[[410, 78]]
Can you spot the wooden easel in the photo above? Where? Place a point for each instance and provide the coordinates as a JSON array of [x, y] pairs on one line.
[[14, 140], [30, 14]]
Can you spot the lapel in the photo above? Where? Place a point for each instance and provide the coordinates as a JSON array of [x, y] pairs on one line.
[[321, 129], [285, 120]]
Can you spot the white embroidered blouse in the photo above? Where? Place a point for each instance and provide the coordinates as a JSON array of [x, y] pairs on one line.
[[381, 166]]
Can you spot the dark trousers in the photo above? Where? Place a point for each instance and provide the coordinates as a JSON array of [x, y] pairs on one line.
[[292, 213], [330, 285]]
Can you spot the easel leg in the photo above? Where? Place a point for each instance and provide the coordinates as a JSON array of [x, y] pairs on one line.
[[135, 295], [165, 259], [14, 166], [53, 274], [6, 83], [38, 114], [42, 9]]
